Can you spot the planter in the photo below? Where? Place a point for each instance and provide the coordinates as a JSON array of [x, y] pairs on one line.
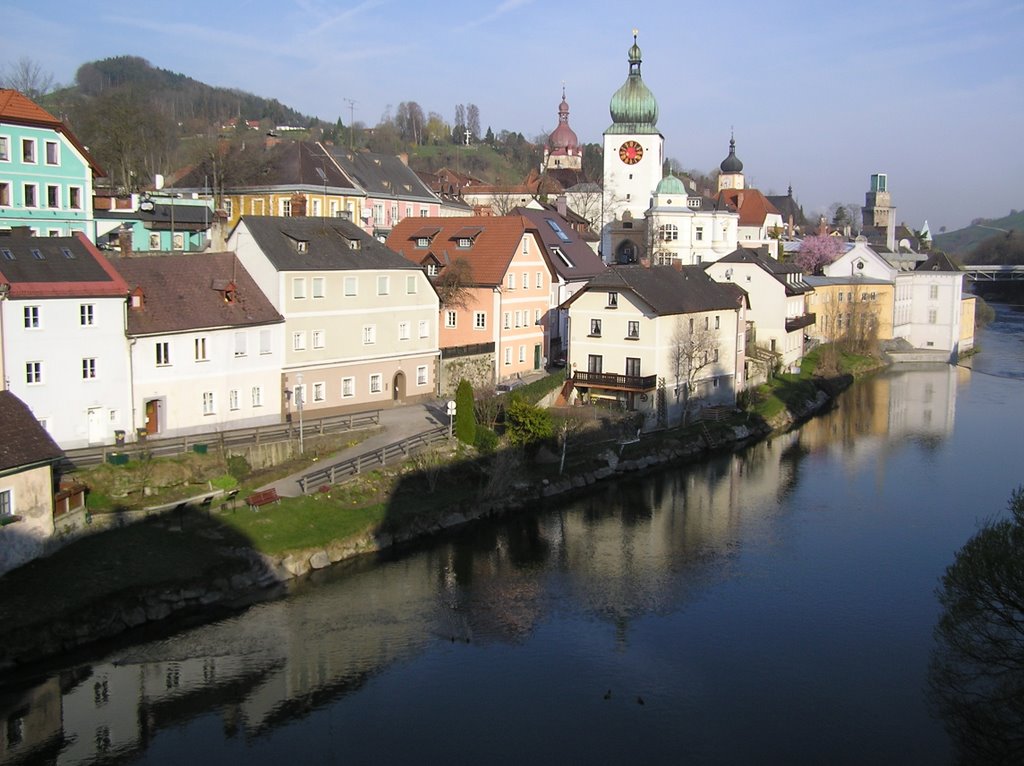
[[199, 449], [117, 458]]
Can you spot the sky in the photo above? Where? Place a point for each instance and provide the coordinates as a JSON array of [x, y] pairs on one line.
[[819, 95]]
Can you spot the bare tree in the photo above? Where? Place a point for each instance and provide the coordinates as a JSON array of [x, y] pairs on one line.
[[693, 348], [454, 282], [473, 120], [849, 321], [504, 202], [27, 76]]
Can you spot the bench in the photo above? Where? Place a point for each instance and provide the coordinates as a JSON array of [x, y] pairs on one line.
[[261, 498]]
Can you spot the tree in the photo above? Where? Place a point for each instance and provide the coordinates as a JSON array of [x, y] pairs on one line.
[[465, 417], [410, 122], [816, 252], [489, 137], [976, 675], [473, 120], [525, 423], [437, 130], [27, 76], [693, 347], [454, 282]]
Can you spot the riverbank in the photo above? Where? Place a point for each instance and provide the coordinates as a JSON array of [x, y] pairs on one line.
[[225, 571]]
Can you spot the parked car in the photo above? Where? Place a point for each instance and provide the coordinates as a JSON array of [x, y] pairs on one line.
[[509, 385]]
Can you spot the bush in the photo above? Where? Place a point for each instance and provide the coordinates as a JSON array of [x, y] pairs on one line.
[[465, 418], [527, 424], [239, 467], [486, 439]]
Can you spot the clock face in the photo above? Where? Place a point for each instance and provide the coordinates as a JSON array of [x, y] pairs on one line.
[[631, 152]]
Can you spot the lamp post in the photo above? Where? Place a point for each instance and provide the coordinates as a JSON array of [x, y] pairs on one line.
[[299, 396]]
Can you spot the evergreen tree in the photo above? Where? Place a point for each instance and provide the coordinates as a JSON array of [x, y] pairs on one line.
[[465, 418]]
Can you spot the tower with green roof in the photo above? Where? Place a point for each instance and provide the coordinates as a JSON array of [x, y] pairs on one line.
[[633, 146]]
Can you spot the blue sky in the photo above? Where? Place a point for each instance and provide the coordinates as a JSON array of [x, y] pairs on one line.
[[820, 95]]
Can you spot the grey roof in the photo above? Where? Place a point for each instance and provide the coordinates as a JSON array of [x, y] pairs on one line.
[[329, 245], [578, 260], [848, 280], [164, 217], [668, 290], [383, 175], [187, 291], [56, 267], [23, 442], [938, 261], [779, 270]]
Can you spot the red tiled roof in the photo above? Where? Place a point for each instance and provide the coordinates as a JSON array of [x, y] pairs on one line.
[[752, 206], [490, 254], [16, 107], [23, 442]]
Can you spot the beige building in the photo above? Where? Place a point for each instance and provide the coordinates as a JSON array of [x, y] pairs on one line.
[[360, 320]]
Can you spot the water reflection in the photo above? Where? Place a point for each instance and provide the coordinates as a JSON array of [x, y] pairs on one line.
[[640, 548]]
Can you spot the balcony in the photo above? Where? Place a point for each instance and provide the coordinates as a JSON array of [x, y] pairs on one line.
[[798, 323], [615, 382]]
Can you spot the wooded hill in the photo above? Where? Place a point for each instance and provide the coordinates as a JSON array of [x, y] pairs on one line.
[[963, 241]]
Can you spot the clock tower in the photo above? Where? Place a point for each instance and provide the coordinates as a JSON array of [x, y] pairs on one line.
[[633, 147]]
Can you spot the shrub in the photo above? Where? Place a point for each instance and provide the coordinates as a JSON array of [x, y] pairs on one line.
[[527, 424], [486, 439], [239, 467], [465, 418]]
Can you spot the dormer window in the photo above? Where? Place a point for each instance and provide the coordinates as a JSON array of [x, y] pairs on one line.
[[465, 242], [432, 270], [422, 242], [354, 244], [613, 300], [301, 246]]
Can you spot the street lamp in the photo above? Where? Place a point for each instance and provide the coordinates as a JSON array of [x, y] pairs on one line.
[[299, 391]]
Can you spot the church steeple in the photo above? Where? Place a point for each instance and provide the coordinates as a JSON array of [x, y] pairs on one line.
[[633, 107], [731, 176]]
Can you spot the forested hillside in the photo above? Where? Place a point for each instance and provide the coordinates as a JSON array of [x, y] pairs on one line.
[[962, 241]]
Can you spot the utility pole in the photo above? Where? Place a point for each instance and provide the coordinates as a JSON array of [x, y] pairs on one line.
[[351, 121]]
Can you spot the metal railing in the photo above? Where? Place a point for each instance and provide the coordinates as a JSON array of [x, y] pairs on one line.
[[241, 437], [367, 461]]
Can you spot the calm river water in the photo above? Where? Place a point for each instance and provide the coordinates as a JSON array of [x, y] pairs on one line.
[[772, 606]]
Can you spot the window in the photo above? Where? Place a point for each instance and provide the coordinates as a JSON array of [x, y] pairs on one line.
[[318, 339], [421, 375], [233, 399], [714, 356], [479, 320], [154, 241], [228, 206], [348, 388], [595, 327], [299, 288], [707, 323], [449, 319], [5, 149], [508, 320], [613, 300], [319, 392], [52, 195], [163, 353], [383, 285], [240, 344], [403, 331], [200, 348], [52, 153], [633, 329], [257, 396], [410, 285], [698, 233], [31, 315], [31, 195], [422, 242], [424, 328], [540, 280], [933, 292], [511, 281], [526, 281], [265, 342], [432, 270], [932, 316], [526, 245], [89, 368], [668, 232], [75, 197], [178, 242], [33, 372], [519, 319], [522, 354], [6, 509], [840, 296], [594, 363], [319, 285], [286, 208], [508, 355], [632, 366], [28, 150], [369, 334], [299, 340], [464, 242], [5, 194], [351, 286], [208, 403], [375, 383], [718, 322]]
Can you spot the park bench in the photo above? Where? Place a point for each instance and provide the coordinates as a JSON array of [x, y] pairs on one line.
[[258, 499]]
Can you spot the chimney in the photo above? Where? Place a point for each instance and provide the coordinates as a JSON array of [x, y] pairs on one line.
[[677, 264], [218, 231], [298, 205], [560, 204], [124, 242], [645, 262]]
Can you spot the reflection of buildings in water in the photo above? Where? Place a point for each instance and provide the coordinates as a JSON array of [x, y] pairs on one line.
[[882, 412], [30, 723]]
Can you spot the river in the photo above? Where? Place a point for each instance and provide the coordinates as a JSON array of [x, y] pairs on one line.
[[771, 606]]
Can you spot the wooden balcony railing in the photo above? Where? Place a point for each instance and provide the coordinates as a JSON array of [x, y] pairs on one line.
[[617, 382], [797, 323]]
